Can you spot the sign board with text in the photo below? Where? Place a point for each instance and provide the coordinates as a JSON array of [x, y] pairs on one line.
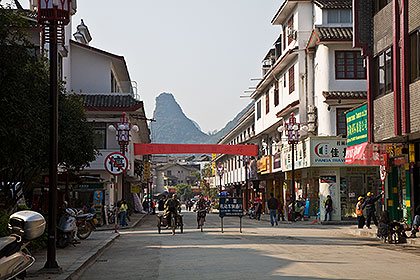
[[230, 206], [357, 131]]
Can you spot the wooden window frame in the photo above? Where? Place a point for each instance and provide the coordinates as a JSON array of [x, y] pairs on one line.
[[345, 121], [290, 22], [291, 79], [267, 102], [356, 57], [276, 94]]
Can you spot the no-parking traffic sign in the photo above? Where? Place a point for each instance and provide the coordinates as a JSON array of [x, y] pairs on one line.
[[116, 163]]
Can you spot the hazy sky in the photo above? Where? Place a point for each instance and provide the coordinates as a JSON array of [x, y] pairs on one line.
[[204, 52]]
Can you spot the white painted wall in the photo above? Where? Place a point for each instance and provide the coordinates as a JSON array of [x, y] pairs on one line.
[[324, 80], [91, 72], [317, 13]]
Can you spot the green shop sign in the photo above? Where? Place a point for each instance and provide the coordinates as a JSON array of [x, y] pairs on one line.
[[357, 131]]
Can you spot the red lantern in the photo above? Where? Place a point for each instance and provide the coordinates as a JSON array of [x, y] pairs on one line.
[[53, 11]]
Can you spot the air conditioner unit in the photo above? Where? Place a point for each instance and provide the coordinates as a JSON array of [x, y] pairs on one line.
[[291, 33]]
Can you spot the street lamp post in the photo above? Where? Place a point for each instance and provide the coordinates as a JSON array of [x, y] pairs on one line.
[[123, 136], [53, 15], [293, 130], [246, 194]]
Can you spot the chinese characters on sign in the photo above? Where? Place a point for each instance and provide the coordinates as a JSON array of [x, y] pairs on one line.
[[116, 163], [230, 207], [357, 126], [330, 151]]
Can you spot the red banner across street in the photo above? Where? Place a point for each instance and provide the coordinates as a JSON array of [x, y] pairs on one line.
[[163, 149]]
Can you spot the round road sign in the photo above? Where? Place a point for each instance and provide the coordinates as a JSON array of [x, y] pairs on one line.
[[382, 172], [116, 163]]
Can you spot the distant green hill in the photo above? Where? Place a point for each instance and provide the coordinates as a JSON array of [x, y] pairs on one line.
[[172, 126]]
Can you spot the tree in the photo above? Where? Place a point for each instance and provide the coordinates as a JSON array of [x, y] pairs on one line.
[[184, 190], [206, 173], [24, 119]]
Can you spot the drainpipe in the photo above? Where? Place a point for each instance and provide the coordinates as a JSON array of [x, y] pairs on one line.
[[405, 98], [396, 68]]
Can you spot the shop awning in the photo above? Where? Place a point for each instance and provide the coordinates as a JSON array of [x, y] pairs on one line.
[[366, 154]]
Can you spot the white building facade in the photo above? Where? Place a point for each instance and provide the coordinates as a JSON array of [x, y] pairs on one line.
[[313, 72]]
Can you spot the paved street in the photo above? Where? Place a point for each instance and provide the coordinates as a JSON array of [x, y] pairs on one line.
[[289, 251]]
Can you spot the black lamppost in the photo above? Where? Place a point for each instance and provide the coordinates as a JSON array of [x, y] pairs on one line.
[[53, 15], [293, 130]]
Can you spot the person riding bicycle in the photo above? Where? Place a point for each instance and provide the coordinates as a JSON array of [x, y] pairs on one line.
[[201, 206], [171, 206]]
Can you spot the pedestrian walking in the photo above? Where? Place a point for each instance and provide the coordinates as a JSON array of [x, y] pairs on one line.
[[161, 203], [359, 212], [280, 209], [273, 204], [258, 207], [369, 204], [123, 213], [328, 203], [146, 206]]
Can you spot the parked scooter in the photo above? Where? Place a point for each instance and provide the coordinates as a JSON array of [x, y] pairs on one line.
[[15, 259], [85, 225], [67, 228]]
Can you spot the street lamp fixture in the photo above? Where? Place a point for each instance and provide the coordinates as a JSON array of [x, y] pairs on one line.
[[123, 129], [293, 131]]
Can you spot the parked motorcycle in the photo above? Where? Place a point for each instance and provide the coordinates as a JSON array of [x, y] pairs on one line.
[[111, 215], [67, 228], [15, 259], [85, 225]]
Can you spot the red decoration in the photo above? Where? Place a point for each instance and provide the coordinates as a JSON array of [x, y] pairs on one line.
[[162, 149]]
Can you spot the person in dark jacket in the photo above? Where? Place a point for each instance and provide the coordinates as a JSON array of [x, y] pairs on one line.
[[328, 208], [416, 222], [369, 205], [273, 204]]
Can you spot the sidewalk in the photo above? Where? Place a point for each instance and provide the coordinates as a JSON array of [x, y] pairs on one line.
[[75, 259], [371, 233]]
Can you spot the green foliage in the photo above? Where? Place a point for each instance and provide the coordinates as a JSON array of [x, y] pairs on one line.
[[185, 191], [25, 119]]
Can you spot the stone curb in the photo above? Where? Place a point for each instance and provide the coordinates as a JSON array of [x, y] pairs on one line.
[[84, 262]]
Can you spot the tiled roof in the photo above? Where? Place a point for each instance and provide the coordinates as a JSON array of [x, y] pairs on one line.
[[110, 100], [345, 94], [334, 33], [333, 4]]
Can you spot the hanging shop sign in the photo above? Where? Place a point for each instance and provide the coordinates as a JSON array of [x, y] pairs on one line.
[[264, 165], [328, 151], [98, 195], [301, 156], [277, 161], [134, 189], [357, 132]]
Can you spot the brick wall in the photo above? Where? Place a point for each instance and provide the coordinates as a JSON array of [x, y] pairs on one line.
[[365, 23], [414, 107], [413, 15], [383, 118], [383, 31]]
